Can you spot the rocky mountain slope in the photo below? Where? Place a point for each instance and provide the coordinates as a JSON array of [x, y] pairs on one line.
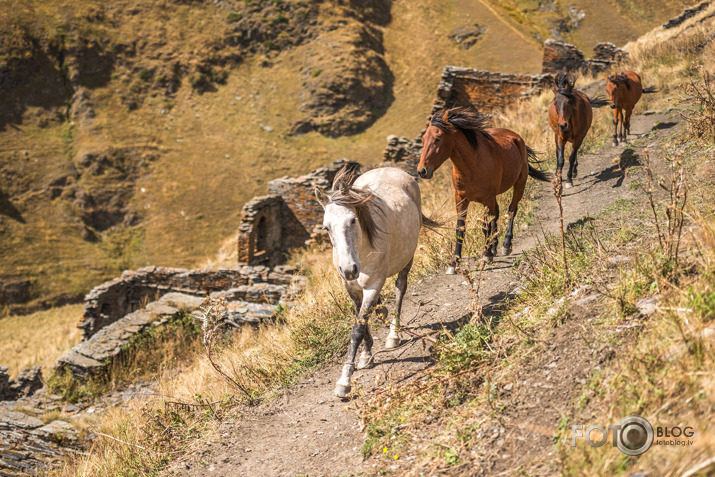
[[132, 133]]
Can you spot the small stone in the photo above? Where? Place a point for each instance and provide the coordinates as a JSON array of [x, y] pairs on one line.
[[508, 387], [647, 306], [618, 259], [650, 112]]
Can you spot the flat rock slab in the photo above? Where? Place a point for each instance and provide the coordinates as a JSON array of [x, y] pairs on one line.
[[14, 419]]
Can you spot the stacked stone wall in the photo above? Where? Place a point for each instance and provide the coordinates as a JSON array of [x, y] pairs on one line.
[[483, 89], [560, 56]]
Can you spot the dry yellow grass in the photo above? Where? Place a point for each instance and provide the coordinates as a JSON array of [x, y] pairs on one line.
[[38, 339]]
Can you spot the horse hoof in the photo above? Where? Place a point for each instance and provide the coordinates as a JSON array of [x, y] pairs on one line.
[[506, 251], [568, 185], [364, 363], [489, 258], [392, 343], [451, 271], [615, 143], [342, 391]]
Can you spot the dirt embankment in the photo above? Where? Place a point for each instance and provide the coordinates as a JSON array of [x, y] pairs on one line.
[[308, 430]]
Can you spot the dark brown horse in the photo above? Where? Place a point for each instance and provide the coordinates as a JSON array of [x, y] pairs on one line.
[[570, 117], [487, 162], [624, 90]]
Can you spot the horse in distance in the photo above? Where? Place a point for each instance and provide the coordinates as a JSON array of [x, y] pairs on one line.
[[570, 117]]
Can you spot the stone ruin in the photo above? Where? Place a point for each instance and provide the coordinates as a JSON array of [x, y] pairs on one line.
[[118, 310], [486, 90], [116, 298], [560, 56], [287, 218], [402, 149], [29, 381]]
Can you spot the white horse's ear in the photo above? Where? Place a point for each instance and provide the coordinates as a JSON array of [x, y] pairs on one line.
[[321, 197]]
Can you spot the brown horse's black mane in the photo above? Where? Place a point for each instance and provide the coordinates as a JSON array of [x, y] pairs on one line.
[[363, 202], [564, 84], [620, 79], [465, 119]]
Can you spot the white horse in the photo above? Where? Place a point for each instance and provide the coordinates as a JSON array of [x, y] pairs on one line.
[[373, 225]]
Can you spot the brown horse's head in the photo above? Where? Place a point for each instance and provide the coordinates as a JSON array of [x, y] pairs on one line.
[[563, 88], [441, 134], [615, 87]]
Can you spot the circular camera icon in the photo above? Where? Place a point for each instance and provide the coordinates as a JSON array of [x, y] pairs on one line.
[[636, 435]]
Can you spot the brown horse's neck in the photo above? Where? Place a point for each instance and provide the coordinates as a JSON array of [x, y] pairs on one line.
[[464, 156]]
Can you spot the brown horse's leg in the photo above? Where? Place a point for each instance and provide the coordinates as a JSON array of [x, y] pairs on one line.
[[560, 144], [628, 121], [615, 126], [573, 160], [623, 126], [490, 231], [462, 206], [513, 207]]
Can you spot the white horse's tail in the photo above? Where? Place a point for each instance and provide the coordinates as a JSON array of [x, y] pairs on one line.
[[430, 224]]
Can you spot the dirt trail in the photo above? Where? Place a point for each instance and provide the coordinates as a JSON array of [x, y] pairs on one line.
[[310, 431]]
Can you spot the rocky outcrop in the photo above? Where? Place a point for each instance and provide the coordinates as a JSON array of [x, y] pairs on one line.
[[687, 13], [483, 89], [15, 291], [29, 447], [560, 56], [28, 382], [347, 82], [467, 36]]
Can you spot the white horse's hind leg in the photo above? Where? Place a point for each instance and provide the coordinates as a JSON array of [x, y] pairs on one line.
[[393, 338]]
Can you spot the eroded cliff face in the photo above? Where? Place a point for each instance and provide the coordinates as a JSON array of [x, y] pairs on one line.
[[82, 85]]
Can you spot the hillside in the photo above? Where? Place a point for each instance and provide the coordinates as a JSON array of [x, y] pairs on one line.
[[131, 134], [498, 363]]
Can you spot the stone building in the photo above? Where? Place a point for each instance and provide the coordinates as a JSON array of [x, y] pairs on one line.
[[287, 218]]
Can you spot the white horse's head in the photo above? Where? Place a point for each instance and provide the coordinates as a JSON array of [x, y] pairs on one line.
[[342, 226], [348, 220]]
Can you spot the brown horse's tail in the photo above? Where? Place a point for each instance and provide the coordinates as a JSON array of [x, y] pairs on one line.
[[538, 175], [532, 157], [649, 89], [599, 102]]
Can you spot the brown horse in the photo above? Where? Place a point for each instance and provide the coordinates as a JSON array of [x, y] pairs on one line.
[[624, 90], [487, 162], [570, 117]]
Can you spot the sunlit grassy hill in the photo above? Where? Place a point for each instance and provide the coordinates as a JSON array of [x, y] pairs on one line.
[[132, 133]]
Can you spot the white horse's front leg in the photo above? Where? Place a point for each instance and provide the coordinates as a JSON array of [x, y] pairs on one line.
[[359, 332]]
